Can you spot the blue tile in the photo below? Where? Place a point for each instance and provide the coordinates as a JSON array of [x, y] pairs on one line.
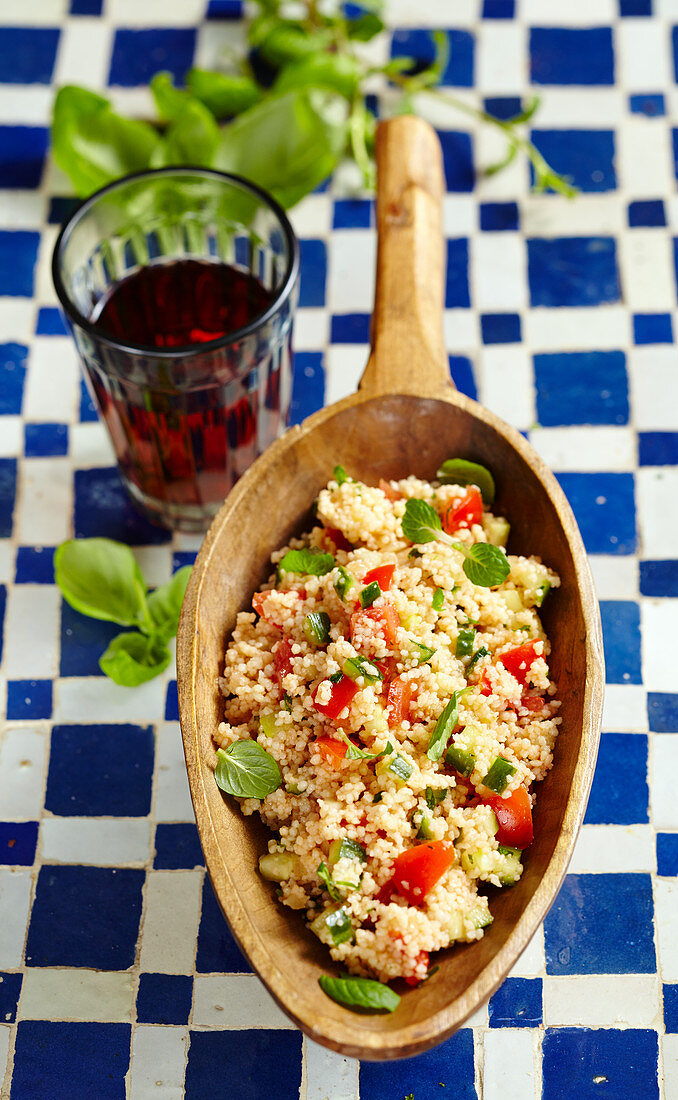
[[10, 988], [429, 1075], [177, 847], [589, 1063], [573, 271], [8, 468], [22, 155], [499, 9], [164, 998], [50, 322], [18, 253], [652, 328], [27, 54], [517, 1003], [67, 1061], [584, 157], [313, 275], [172, 702], [45, 440], [34, 565], [571, 55], [350, 328], [180, 558], [635, 7], [3, 605], [671, 1009], [621, 640], [100, 771], [456, 285], [102, 507], [85, 916], [224, 9], [658, 448], [457, 160], [649, 104], [263, 1063], [29, 699], [579, 941], [647, 212], [659, 578], [139, 54], [88, 411], [217, 950], [581, 387], [500, 328], [18, 841], [503, 107], [83, 640], [461, 371], [353, 214], [12, 378], [613, 800], [604, 508], [419, 45], [308, 388], [497, 216], [667, 854], [86, 7], [662, 711], [61, 207]]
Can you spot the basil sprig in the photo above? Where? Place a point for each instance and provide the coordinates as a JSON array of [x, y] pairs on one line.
[[485, 565], [246, 770], [360, 993], [459, 471], [442, 731], [315, 563], [353, 752]]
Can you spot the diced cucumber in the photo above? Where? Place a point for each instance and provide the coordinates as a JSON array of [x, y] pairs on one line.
[[268, 724], [355, 667], [344, 583], [293, 788], [343, 848], [542, 592], [478, 915], [317, 628], [421, 823], [333, 926], [370, 594], [456, 925], [512, 599], [460, 759], [278, 866], [397, 767], [477, 862], [499, 774], [411, 622], [497, 529], [512, 868]]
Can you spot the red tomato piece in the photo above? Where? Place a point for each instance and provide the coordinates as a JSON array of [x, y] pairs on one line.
[[532, 702], [416, 870], [484, 682], [422, 957], [514, 815], [338, 538], [282, 659], [383, 575], [385, 619], [333, 752], [519, 661], [342, 693], [258, 603], [388, 490], [465, 512], [400, 693]]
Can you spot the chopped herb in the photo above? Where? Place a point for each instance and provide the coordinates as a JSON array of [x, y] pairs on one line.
[[287, 703], [317, 628], [344, 583], [344, 848], [340, 475], [378, 796], [485, 565], [325, 876], [414, 553], [465, 640], [360, 993], [443, 728], [477, 656], [353, 752], [246, 770], [370, 594], [355, 667], [335, 677], [434, 797], [316, 563], [421, 522], [425, 652], [458, 471], [438, 599]]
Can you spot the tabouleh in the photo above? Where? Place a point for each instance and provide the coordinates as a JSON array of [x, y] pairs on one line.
[[388, 709]]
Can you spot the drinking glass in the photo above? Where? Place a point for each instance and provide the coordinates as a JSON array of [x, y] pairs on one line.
[[185, 421]]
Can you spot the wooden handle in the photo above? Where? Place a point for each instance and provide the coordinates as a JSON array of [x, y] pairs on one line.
[[408, 351]]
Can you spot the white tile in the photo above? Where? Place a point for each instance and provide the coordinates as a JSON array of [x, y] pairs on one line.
[[43, 12], [643, 159], [98, 841], [6, 561], [85, 48], [647, 272], [663, 765], [172, 796], [659, 622], [312, 217], [653, 378], [33, 610], [658, 521], [630, 1000], [498, 272], [436, 13], [611, 848], [17, 318], [460, 215], [329, 1076], [490, 148], [577, 329], [11, 436], [45, 502], [509, 1064], [44, 292], [506, 384], [30, 105], [531, 962], [642, 54], [669, 1044], [22, 209], [544, 215], [615, 578], [235, 1001], [63, 994], [479, 1018], [311, 329], [90, 446], [5, 1035], [52, 390], [501, 57], [15, 900], [577, 13], [155, 563], [351, 267], [586, 448], [666, 921], [625, 708], [154, 13], [344, 368], [461, 330], [23, 757], [218, 41], [158, 1063], [574, 108], [86, 698], [170, 925]]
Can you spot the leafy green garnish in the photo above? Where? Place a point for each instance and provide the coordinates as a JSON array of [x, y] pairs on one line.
[[481, 652], [324, 875], [315, 563], [246, 770], [164, 604], [434, 797], [354, 667], [421, 523], [458, 471], [425, 652], [485, 565], [132, 659], [465, 640], [369, 594], [353, 752], [340, 475], [362, 993], [442, 731], [438, 599]]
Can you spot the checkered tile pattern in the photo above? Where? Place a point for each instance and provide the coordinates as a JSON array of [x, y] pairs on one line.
[[118, 976]]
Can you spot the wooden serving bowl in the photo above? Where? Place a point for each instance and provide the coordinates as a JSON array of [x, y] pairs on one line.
[[406, 418]]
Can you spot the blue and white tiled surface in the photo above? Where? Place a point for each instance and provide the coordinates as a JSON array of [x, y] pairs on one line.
[[118, 976]]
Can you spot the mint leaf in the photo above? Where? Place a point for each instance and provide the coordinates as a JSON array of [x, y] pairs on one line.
[[486, 565], [443, 728], [246, 770], [313, 562], [337, 71], [355, 753], [100, 578], [224, 95], [459, 471], [421, 522], [132, 659], [164, 604], [360, 993]]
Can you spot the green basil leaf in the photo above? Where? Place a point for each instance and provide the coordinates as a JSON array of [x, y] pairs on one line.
[[360, 993], [421, 522], [224, 95], [192, 137], [442, 731], [169, 101], [340, 475], [458, 471], [425, 652], [313, 562], [438, 599], [164, 604], [337, 71], [486, 565], [355, 753], [477, 656], [287, 40], [434, 797], [246, 770], [132, 659], [325, 877], [100, 578], [366, 27]]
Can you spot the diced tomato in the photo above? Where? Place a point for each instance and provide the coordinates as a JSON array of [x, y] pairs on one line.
[[258, 603], [416, 870], [484, 683], [388, 490], [532, 702], [383, 575], [282, 659], [519, 661], [387, 667], [384, 618], [340, 697], [514, 815], [338, 538], [400, 693], [332, 751], [422, 957], [465, 512]]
